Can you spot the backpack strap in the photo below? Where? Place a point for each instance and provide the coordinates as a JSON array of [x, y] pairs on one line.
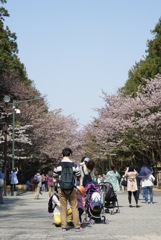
[[57, 198], [84, 172], [56, 194], [54, 207]]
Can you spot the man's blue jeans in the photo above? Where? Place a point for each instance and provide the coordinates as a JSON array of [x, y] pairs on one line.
[[150, 190]]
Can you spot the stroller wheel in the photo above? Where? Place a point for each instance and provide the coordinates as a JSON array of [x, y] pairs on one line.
[[107, 210], [106, 221], [98, 220], [91, 222]]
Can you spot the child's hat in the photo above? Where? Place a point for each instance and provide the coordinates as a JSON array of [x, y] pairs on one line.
[[81, 189]]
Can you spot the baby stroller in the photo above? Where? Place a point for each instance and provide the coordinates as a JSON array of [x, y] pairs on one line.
[[94, 205], [109, 198]]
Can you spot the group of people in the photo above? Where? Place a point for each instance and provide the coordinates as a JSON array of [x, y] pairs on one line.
[[70, 203], [44, 182], [13, 182], [71, 200], [134, 181], [80, 191]]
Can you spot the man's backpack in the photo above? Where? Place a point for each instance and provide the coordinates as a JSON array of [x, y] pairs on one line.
[[35, 180], [50, 203], [87, 178], [67, 181]]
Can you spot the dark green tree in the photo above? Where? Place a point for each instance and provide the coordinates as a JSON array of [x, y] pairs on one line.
[[9, 61], [148, 67]]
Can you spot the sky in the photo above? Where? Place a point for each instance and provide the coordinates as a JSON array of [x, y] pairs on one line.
[[75, 49]]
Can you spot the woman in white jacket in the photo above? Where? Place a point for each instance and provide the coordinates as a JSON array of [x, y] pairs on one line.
[[147, 184]]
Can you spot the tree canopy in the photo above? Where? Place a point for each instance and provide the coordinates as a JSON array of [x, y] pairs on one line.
[[148, 67], [128, 127]]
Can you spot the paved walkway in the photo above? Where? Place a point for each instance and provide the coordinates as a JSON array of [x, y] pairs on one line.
[[22, 218]]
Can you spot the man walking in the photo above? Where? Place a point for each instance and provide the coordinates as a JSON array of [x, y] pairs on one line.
[[37, 182], [66, 189]]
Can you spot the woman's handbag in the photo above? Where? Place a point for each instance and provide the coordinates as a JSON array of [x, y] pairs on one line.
[[124, 183]]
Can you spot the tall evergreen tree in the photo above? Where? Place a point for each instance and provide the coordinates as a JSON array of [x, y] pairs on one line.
[[148, 67], [9, 61]]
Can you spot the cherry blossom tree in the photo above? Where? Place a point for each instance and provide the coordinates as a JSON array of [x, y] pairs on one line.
[[129, 126], [53, 132]]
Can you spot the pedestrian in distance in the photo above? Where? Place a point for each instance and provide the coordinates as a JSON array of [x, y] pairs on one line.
[[66, 171], [13, 180], [99, 179], [147, 184], [2, 179], [50, 183], [131, 175], [37, 183], [28, 185], [113, 177], [121, 186], [94, 179], [144, 172], [43, 177]]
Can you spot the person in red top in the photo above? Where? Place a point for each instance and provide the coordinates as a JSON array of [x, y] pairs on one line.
[[50, 183]]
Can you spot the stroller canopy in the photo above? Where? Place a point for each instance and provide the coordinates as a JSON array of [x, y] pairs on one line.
[[92, 187]]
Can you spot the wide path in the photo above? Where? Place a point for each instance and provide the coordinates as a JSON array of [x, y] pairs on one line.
[[22, 218]]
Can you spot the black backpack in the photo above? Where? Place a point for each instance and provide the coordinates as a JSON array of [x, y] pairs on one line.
[[50, 203], [67, 181], [87, 178]]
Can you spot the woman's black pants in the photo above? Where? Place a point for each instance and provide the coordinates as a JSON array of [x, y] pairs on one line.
[[135, 196]]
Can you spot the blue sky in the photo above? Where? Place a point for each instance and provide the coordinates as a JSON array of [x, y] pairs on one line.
[[74, 49]]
